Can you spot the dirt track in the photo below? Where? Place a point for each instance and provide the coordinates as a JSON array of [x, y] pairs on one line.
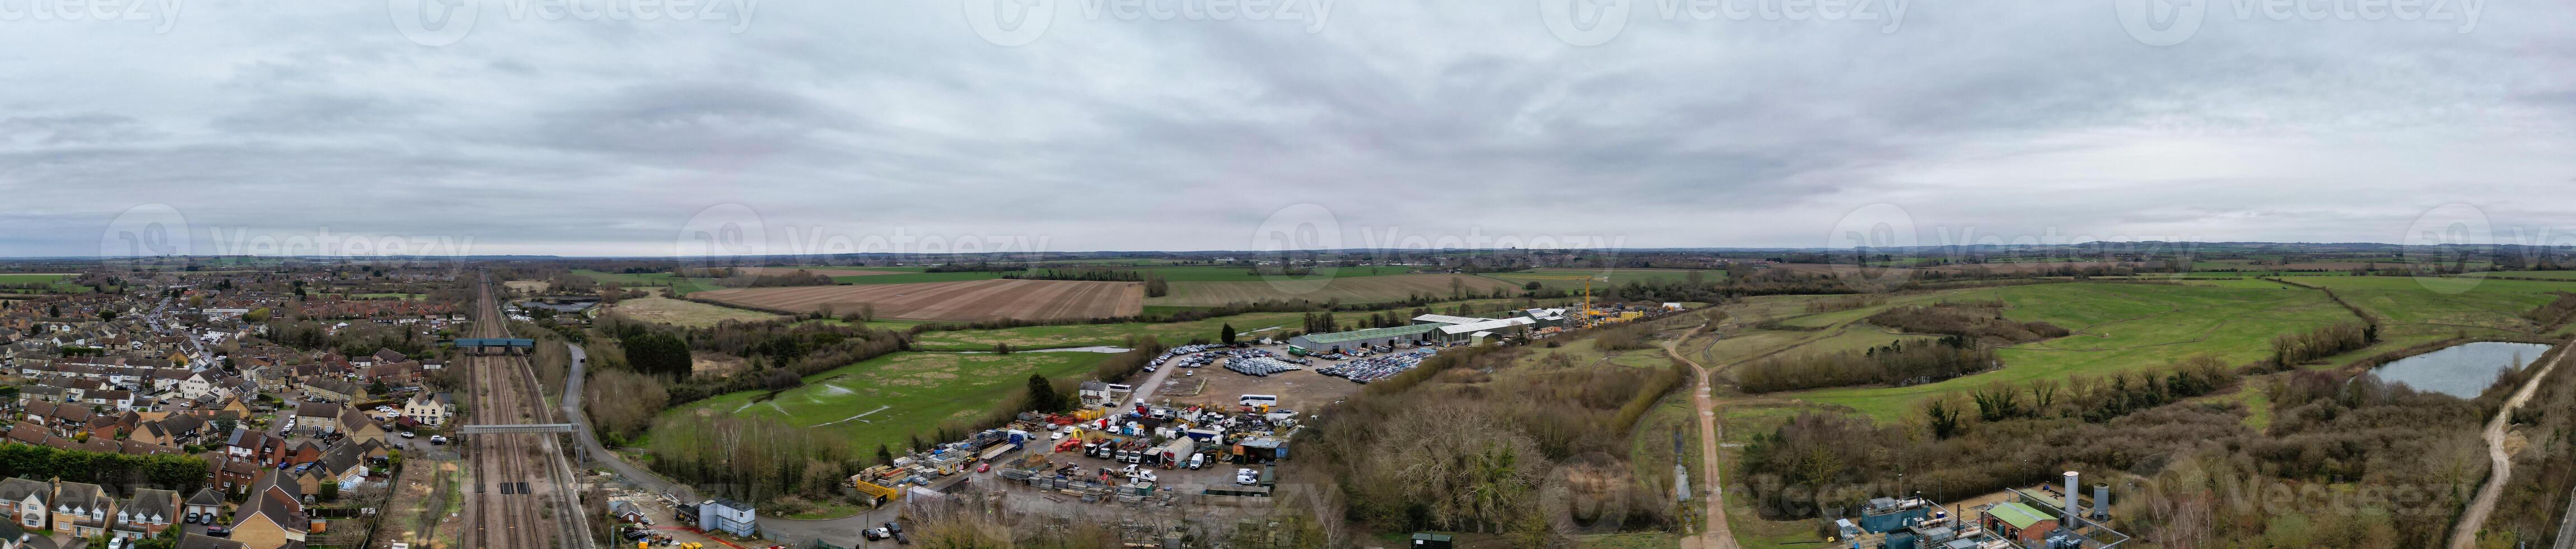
[[2465, 534], [952, 301]]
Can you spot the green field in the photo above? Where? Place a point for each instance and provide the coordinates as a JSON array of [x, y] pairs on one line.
[[59, 282], [917, 390], [2119, 327], [2417, 310], [1085, 335]]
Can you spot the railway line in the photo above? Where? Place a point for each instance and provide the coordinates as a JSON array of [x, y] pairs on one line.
[[520, 496]]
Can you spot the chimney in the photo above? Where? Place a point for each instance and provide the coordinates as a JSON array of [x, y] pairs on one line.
[[2073, 509], [2101, 501]]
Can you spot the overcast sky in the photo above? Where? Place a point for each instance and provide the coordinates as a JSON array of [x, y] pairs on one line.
[[1092, 126]]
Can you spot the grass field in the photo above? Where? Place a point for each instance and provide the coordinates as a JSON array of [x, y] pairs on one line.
[[1362, 289], [680, 312], [60, 282], [2119, 327], [1085, 335], [2421, 310], [917, 392]]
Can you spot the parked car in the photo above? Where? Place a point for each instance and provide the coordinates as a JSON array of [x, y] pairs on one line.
[[874, 534], [897, 531], [1058, 435], [219, 531], [437, 439], [407, 434], [984, 467], [1247, 477]]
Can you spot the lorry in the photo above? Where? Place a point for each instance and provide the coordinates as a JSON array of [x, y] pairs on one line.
[[1172, 453]]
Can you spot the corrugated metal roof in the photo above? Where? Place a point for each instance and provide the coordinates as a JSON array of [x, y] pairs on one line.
[[1486, 325], [2017, 514], [1448, 319], [1372, 333]]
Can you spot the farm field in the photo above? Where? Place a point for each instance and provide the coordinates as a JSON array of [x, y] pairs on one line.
[[2118, 327], [951, 301], [910, 393], [901, 277], [1203, 273], [58, 282], [680, 312], [825, 271], [1617, 276], [682, 286], [2421, 310], [1365, 289], [2552, 275], [1085, 335]]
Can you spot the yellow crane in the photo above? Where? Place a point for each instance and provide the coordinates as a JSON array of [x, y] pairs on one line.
[[1587, 288]]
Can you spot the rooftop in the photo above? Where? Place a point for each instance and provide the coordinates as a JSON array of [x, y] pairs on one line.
[[1372, 333], [2017, 514]]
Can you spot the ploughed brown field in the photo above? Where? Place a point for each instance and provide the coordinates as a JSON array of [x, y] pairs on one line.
[[950, 301], [825, 271]]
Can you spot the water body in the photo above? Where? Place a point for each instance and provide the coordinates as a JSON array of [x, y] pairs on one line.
[[2462, 370]]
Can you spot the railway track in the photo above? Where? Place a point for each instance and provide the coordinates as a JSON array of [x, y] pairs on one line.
[[520, 498]]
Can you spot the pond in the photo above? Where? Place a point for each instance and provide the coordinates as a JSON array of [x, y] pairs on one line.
[[2462, 370]]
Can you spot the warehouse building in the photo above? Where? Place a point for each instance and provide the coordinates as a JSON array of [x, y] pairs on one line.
[[1374, 337]]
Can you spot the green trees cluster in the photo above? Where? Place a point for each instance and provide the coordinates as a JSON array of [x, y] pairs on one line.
[[753, 459], [2325, 341], [1898, 363], [183, 474]]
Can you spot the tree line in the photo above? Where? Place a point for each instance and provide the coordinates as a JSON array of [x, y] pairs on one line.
[[1898, 363]]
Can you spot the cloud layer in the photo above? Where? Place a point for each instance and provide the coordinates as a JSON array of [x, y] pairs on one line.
[[580, 134]]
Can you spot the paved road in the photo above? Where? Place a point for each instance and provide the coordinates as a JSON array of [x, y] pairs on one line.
[[599, 453], [1717, 536], [2567, 525], [2465, 534], [842, 531]]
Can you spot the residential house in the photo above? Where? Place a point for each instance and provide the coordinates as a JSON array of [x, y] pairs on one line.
[[202, 541], [359, 427], [317, 417], [146, 514], [430, 409], [13, 537], [81, 509], [345, 465], [334, 390], [273, 515], [254, 446], [202, 505], [29, 502]]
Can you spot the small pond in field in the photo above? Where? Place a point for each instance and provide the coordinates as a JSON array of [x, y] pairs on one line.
[[2461, 370]]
